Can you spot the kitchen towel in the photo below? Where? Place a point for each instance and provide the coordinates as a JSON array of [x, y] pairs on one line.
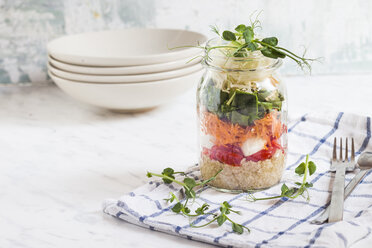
[[273, 223]]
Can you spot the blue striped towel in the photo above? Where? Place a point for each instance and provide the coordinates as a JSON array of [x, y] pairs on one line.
[[273, 223]]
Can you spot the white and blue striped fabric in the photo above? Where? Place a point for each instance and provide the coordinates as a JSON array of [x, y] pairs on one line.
[[273, 223]]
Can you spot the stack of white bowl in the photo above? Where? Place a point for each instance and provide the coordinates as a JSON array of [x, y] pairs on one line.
[[126, 70]]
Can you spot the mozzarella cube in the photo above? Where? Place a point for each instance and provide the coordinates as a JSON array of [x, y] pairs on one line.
[[253, 145], [206, 140]]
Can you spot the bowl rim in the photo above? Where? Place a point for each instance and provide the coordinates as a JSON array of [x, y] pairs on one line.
[[155, 82], [186, 51], [126, 79], [123, 70]]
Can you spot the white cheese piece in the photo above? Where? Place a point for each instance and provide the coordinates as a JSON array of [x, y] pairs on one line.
[[253, 145], [206, 140]]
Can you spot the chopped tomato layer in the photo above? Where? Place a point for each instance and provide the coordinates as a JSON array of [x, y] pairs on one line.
[[228, 154], [232, 154]]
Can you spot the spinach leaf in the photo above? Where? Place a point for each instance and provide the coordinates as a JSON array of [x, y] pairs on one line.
[[214, 98], [238, 118], [240, 107]]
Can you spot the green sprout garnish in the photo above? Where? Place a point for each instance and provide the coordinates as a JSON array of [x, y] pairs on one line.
[[222, 217], [304, 169], [189, 185], [243, 40]]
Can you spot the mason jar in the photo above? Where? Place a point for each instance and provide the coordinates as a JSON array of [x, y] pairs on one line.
[[242, 117]]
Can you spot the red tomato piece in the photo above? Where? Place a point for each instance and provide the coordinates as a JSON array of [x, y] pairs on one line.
[[262, 155], [228, 154]]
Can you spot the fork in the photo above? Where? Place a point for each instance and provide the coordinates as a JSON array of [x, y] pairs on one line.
[[336, 208]]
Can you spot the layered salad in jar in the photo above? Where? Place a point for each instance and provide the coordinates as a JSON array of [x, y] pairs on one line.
[[242, 118]]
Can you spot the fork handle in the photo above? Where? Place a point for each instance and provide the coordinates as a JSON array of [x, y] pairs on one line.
[[336, 209]]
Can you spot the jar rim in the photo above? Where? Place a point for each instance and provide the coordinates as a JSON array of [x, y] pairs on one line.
[[208, 60]]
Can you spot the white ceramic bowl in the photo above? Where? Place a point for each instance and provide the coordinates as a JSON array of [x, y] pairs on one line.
[[123, 70], [126, 47], [128, 97], [141, 78]]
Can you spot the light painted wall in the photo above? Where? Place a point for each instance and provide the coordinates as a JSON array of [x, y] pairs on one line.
[[340, 31]]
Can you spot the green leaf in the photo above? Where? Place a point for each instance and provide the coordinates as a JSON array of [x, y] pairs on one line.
[[148, 174], [168, 171], [245, 103], [298, 183], [186, 210], [267, 105], [284, 189], [226, 204], [271, 53], [279, 54], [238, 118], [267, 52], [240, 28], [201, 210], [300, 170], [190, 193], [177, 208], [272, 41], [287, 191], [248, 34], [290, 192], [252, 46], [214, 97], [237, 228], [221, 219], [312, 167], [228, 35], [308, 185], [189, 182]]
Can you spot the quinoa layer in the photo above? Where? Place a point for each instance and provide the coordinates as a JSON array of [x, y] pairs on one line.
[[250, 175]]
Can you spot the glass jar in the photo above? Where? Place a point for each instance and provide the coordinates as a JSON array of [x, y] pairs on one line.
[[242, 110]]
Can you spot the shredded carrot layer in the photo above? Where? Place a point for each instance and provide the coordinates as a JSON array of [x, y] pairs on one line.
[[224, 132], [268, 127], [227, 133]]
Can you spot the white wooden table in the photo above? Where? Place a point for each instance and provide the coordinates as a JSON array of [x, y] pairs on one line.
[[59, 159]]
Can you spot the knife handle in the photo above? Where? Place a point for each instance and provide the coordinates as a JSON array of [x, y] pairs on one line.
[[336, 210]]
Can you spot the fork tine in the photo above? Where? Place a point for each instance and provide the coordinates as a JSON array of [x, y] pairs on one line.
[[341, 149], [352, 150], [346, 151], [334, 149]]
